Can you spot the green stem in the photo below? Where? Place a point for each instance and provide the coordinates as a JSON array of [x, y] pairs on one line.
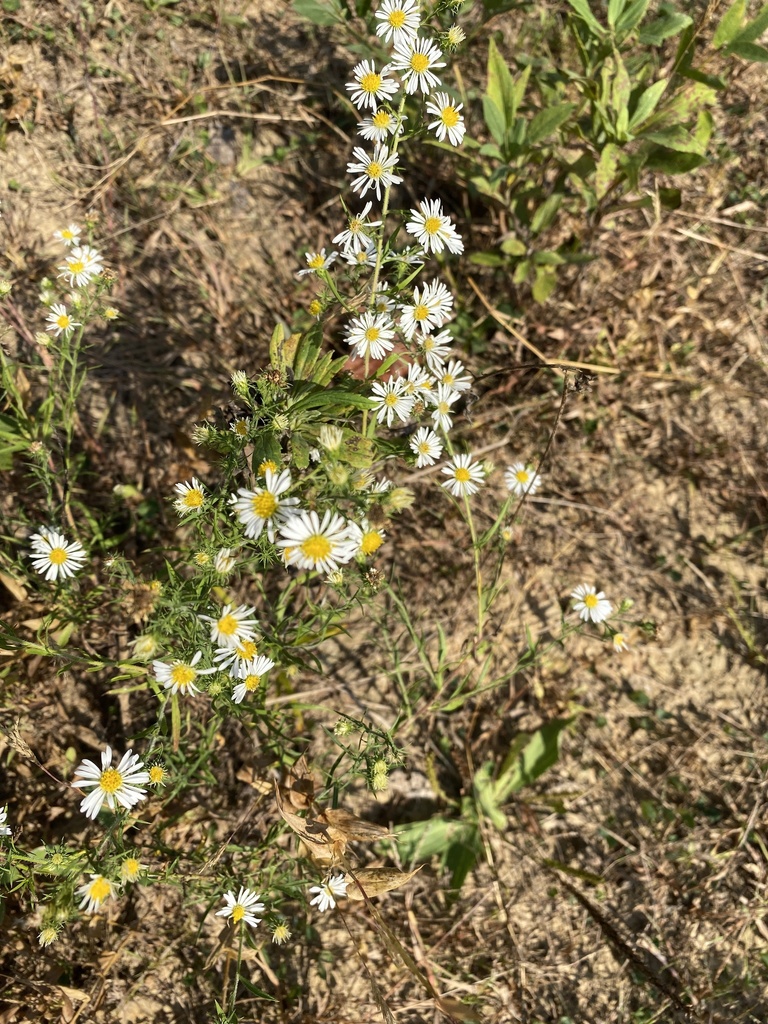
[[385, 206], [239, 964], [478, 572]]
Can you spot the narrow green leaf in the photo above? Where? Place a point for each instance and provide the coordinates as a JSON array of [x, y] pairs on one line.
[[518, 90], [585, 876], [513, 247], [669, 23], [540, 753], [647, 103], [487, 259], [676, 138], [755, 28], [730, 23], [547, 121], [631, 18], [546, 213], [318, 13], [501, 85], [749, 51], [669, 162], [494, 119], [581, 7], [615, 9], [606, 169]]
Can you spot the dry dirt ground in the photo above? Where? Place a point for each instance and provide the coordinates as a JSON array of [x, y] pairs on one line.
[[207, 149]]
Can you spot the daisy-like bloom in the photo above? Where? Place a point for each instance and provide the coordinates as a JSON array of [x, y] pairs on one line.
[[374, 172], [464, 475], [130, 869], [110, 313], [331, 437], [356, 237], [180, 676], [436, 348], [328, 893], [265, 465], [452, 376], [81, 265], [236, 659], [362, 258], [370, 85], [413, 383], [4, 830], [47, 936], [233, 625], [444, 399], [94, 893], [380, 124], [145, 647], [60, 321], [381, 300], [70, 235], [454, 37], [264, 506], [240, 426], [439, 299], [121, 785], [419, 314], [243, 908], [191, 496], [371, 334], [251, 678], [310, 543], [53, 558], [448, 120], [315, 308], [426, 446], [590, 604], [399, 20], [281, 933], [317, 261], [415, 58], [619, 642], [225, 561], [158, 774], [521, 479], [366, 538], [389, 400], [433, 228]]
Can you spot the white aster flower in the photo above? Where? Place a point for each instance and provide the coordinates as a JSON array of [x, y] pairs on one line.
[[328, 893], [331, 437], [444, 399], [390, 400], [370, 85], [317, 261], [373, 171], [429, 309], [366, 538], [236, 659], [53, 558], [382, 303], [448, 121], [233, 625], [191, 496], [371, 334], [436, 349], [590, 604], [60, 321], [415, 58], [281, 933], [426, 446], [464, 475], [48, 935], [356, 237], [241, 426], [619, 642], [225, 561], [452, 376], [399, 20], [251, 677], [94, 893], [362, 258], [243, 908], [70, 235], [121, 785], [380, 125], [130, 869], [264, 506], [454, 37], [433, 228], [81, 265], [180, 676], [310, 543], [415, 381], [4, 830], [521, 479]]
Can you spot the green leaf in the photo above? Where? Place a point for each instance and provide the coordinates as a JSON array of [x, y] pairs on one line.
[[544, 283], [631, 17], [501, 85], [669, 23], [424, 839], [647, 103], [523, 766], [730, 23], [494, 119], [513, 247], [606, 169], [675, 137], [547, 121], [521, 272], [299, 450], [749, 51], [518, 92], [546, 213], [581, 7], [487, 259], [669, 162], [755, 28], [615, 9], [318, 12], [585, 876]]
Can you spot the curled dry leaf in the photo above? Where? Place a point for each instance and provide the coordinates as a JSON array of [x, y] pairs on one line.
[[343, 825], [374, 881]]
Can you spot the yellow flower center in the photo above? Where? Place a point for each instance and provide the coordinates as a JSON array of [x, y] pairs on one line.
[[264, 505], [110, 313], [449, 116], [315, 307], [355, 225], [251, 682], [419, 63], [193, 498], [66, 233], [241, 427], [57, 556], [391, 398], [63, 321], [462, 474], [372, 334], [591, 600], [381, 119], [246, 650], [361, 257], [76, 266], [424, 448], [374, 169], [443, 408], [618, 639], [371, 82], [396, 19], [421, 312], [265, 465], [432, 225], [130, 868], [316, 262], [447, 379], [111, 780], [99, 889], [428, 344], [238, 913], [372, 541], [316, 547], [183, 675], [227, 625], [522, 476], [156, 774]]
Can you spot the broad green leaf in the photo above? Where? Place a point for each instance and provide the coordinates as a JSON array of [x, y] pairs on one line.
[[669, 23], [676, 138], [299, 450], [540, 752], [424, 839], [749, 51], [549, 258], [513, 247], [494, 119], [547, 121], [730, 23], [615, 9], [487, 259], [631, 17], [546, 213], [669, 162], [319, 12], [544, 283], [307, 350], [582, 8], [501, 85], [518, 91], [647, 103], [606, 169], [521, 272], [485, 794], [755, 28]]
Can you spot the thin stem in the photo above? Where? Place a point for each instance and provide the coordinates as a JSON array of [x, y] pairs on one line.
[[239, 964], [478, 572], [385, 206]]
